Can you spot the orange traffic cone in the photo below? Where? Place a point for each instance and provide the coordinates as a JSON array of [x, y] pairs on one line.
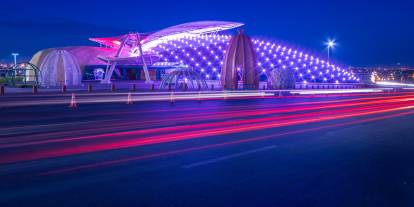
[[73, 101], [172, 97], [129, 99]]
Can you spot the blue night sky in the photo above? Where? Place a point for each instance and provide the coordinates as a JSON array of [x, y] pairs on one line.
[[368, 33]]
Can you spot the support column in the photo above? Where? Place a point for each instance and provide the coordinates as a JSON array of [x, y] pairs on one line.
[[108, 73], [147, 76]]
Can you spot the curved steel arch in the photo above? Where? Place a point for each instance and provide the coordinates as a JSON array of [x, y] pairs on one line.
[[11, 74]]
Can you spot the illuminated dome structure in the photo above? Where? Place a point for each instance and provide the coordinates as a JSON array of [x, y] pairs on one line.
[[59, 67], [183, 77], [197, 45], [281, 79], [84, 56], [205, 54]]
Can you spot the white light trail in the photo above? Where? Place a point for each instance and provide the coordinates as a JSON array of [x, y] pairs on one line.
[[341, 91], [386, 83]]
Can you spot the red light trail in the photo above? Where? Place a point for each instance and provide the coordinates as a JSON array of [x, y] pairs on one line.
[[214, 124], [223, 144]]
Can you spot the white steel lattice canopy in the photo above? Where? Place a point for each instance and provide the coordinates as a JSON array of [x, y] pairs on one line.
[[149, 40]]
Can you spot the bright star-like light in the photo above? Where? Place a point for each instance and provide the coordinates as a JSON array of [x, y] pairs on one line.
[[330, 43]]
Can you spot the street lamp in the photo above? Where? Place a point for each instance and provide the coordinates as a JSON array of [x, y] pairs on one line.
[[15, 57], [330, 44]]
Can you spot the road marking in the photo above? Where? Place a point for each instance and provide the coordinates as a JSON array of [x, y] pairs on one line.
[[206, 162]]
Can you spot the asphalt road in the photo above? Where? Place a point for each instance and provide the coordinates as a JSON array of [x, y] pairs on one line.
[[334, 150]]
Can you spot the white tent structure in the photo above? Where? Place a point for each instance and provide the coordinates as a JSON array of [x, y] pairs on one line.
[[60, 67]]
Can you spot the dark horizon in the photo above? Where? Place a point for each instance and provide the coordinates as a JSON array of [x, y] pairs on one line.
[[368, 33]]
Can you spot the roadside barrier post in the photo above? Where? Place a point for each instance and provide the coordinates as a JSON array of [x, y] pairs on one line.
[[129, 99], [89, 88], [172, 97], [64, 88], [72, 103], [34, 89]]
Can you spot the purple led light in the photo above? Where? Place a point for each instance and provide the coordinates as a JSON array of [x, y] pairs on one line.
[[205, 53]]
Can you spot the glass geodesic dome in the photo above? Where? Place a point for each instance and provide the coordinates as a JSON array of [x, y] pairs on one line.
[[183, 77], [21, 74], [58, 68]]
